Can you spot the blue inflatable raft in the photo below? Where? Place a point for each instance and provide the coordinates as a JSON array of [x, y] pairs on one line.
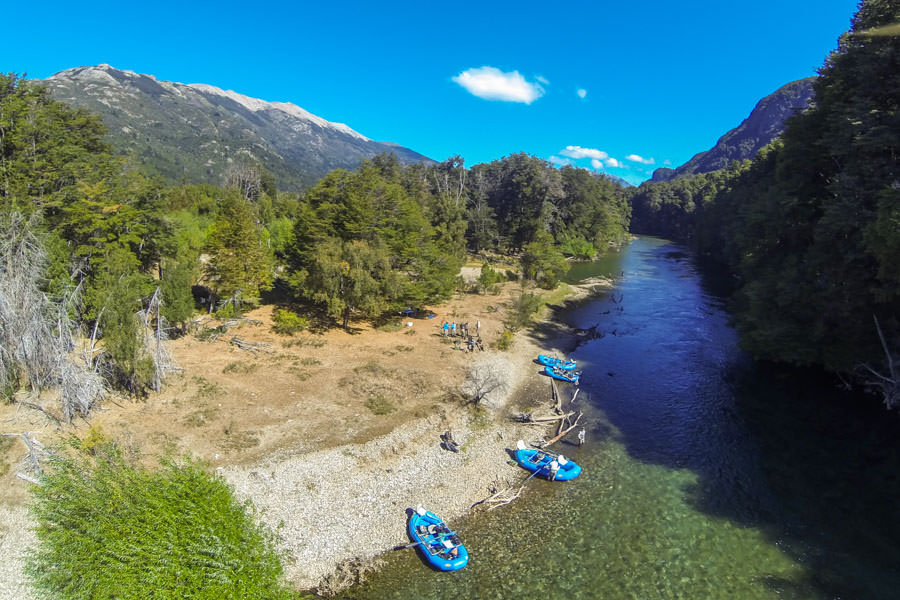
[[552, 361], [563, 375], [542, 462], [439, 545]]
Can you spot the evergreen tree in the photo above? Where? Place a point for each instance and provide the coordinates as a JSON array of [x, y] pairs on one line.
[[350, 276], [240, 260]]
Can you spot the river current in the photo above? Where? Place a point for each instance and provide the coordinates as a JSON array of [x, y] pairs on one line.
[[705, 475]]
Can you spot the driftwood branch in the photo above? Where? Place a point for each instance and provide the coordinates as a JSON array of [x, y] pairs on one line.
[[245, 345], [554, 394], [888, 385], [530, 418], [28, 479], [563, 433], [40, 408], [32, 460], [502, 497]]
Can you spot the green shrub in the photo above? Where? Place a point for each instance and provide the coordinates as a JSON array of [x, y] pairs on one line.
[[506, 340], [379, 405], [523, 309], [108, 528], [488, 279], [227, 311], [576, 246], [288, 322]]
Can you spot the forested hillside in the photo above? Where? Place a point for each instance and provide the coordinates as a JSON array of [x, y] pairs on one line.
[[99, 257], [811, 229]]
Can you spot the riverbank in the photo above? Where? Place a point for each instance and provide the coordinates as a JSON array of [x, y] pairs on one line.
[[355, 497], [331, 436]]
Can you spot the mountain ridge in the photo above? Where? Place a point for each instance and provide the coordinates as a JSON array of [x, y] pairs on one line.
[[194, 132], [764, 123]]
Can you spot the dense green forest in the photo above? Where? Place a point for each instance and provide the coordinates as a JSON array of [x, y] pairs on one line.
[[120, 255], [810, 230]]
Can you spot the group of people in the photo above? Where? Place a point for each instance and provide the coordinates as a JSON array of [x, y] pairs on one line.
[[459, 329], [463, 335]]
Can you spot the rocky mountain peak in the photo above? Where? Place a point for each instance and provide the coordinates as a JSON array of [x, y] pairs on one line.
[[194, 131]]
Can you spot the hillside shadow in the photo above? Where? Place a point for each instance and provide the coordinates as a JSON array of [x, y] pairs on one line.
[[779, 450], [814, 470], [831, 470]]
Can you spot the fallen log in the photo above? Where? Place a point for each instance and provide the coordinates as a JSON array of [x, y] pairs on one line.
[[562, 435], [28, 479], [245, 345]]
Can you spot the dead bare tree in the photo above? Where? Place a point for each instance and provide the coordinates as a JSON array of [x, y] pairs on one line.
[[36, 335], [154, 334], [247, 179], [450, 180], [886, 385], [487, 381], [30, 467]]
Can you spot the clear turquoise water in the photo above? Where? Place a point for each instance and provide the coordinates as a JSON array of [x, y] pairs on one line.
[[704, 476]]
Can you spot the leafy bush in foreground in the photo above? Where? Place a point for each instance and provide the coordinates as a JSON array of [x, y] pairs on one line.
[[110, 529]]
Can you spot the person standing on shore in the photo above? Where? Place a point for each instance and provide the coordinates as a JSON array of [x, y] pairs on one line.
[[581, 437]]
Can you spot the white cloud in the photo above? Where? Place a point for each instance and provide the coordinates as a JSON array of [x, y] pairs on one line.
[[640, 159], [667, 162], [542, 80], [611, 162], [493, 84], [597, 164], [560, 162], [582, 93], [577, 152]]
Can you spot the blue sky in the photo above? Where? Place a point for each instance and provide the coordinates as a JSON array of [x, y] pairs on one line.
[[608, 85]]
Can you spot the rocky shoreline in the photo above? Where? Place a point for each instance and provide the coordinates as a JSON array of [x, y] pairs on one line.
[[354, 497]]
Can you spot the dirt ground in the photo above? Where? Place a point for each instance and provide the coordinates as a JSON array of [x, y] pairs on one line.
[[231, 406]]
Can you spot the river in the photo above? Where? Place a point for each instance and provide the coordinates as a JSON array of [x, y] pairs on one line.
[[705, 475]]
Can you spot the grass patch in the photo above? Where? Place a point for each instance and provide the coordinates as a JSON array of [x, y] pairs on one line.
[[240, 368], [6, 442], [207, 389], [389, 327], [404, 348], [305, 341], [481, 419], [372, 368], [238, 440], [309, 362], [379, 405], [200, 417], [301, 374], [556, 296], [109, 528]]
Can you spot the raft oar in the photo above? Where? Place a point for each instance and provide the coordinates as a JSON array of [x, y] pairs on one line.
[[407, 546], [533, 474]]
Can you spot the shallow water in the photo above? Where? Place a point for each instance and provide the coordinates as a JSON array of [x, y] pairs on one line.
[[705, 476]]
